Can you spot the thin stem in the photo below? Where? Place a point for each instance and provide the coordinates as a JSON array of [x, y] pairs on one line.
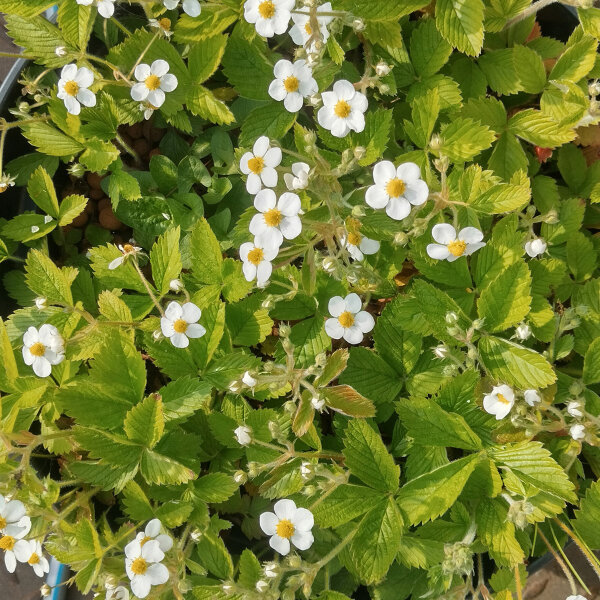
[[562, 553], [129, 149], [518, 583], [328, 557], [12, 55], [148, 289], [141, 56], [586, 552], [320, 13], [530, 10], [6, 125], [559, 560], [121, 26]]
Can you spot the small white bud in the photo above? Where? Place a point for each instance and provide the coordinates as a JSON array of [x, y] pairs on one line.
[[358, 25], [451, 318], [242, 435], [40, 303], [196, 535], [240, 477], [574, 409], [235, 386], [401, 239], [382, 68], [329, 264], [317, 403], [360, 152], [532, 397], [271, 570], [577, 432], [248, 380], [60, 51], [261, 586], [45, 590], [157, 334], [306, 470], [523, 332], [440, 351], [175, 285]]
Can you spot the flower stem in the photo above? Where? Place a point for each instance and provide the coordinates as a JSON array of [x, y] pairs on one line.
[[580, 544], [559, 560], [148, 289], [141, 56], [121, 26]]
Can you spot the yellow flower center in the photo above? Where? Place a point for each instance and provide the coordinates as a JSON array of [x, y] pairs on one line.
[[457, 248], [266, 9], [37, 349], [255, 256], [7, 542], [2, 522], [346, 319], [273, 217], [146, 539], [395, 188], [285, 529], [291, 84], [180, 326], [3, 187], [139, 566], [354, 239], [342, 109], [502, 399], [71, 88], [165, 23], [128, 248], [152, 82], [256, 165], [34, 559], [308, 29]]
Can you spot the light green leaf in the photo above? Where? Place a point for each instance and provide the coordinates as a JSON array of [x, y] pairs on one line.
[[51, 141], [165, 259], [162, 470], [47, 280], [345, 503], [347, 401], [41, 190], [213, 20], [591, 363], [204, 58], [499, 67], [581, 256], [530, 69], [145, 423], [540, 129], [272, 120], [429, 51], [76, 22], [425, 111], [214, 488], [203, 103], [207, 258], [576, 61], [498, 533], [70, 208], [463, 139], [587, 517], [504, 197], [213, 554], [461, 23], [508, 156]]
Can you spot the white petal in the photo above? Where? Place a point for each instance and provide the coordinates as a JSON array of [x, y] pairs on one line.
[[190, 312], [153, 528], [140, 585], [22, 550], [443, 233], [165, 542], [261, 145], [470, 235], [408, 172], [438, 251], [268, 522], [340, 128], [265, 200], [179, 340], [244, 163], [473, 247], [166, 326], [156, 98], [192, 8], [383, 172], [505, 390], [376, 197], [263, 272], [245, 249], [258, 224], [249, 271], [84, 77], [41, 366], [364, 321], [151, 551], [28, 358], [290, 227], [72, 105], [356, 121], [282, 69], [416, 192], [336, 306], [293, 102], [398, 208], [133, 550], [269, 176], [269, 238], [353, 335], [289, 204], [195, 330], [68, 72], [326, 117], [344, 89], [303, 540], [106, 9], [157, 574], [173, 311], [86, 97], [303, 519], [159, 67], [285, 509], [353, 303], [168, 82], [277, 90], [334, 329], [369, 246], [359, 103], [10, 561], [279, 544], [142, 72], [253, 183], [139, 92], [31, 336]]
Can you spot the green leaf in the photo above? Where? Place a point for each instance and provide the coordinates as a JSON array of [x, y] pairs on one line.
[[247, 323], [576, 61], [336, 363], [347, 401], [98, 155], [591, 363], [429, 51], [506, 300], [375, 136], [165, 260], [344, 504], [204, 58], [213, 554], [250, 569], [309, 339], [581, 256], [214, 488], [121, 183], [504, 197], [515, 365], [47, 280], [28, 9], [499, 68], [430, 425], [368, 459], [463, 139], [162, 470], [145, 423], [377, 540], [42, 192], [425, 111], [51, 141], [382, 10], [461, 23], [38, 37], [207, 258], [76, 22], [530, 69], [70, 208], [590, 20], [213, 20], [427, 497], [272, 120], [587, 517], [203, 103], [537, 128]]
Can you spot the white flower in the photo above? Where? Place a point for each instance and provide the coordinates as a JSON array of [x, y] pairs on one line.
[[395, 189], [358, 245], [190, 7], [155, 80], [451, 246], [106, 8], [277, 219], [260, 165], [143, 566], [163, 25], [301, 31], [127, 250], [349, 322], [14, 525], [317, 403], [270, 17], [382, 68], [31, 553], [577, 432], [288, 523], [118, 593], [248, 380], [292, 83], [298, 178], [574, 409], [181, 322], [532, 397], [43, 348], [523, 331], [257, 259], [147, 109], [499, 401], [535, 247], [242, 435], [40, 303], [343, 109], [152, 532], [73, 88]]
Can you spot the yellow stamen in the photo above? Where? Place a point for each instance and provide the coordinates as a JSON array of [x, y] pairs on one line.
[[152, 82], [291, 84], [266, 9], [180, 326], [502, 399], [34, 559], [308, 29], [346, 319], [128, 249], [3, 187], [256, 165], [165, 23], [7, 542], [71, 88], [146, 539], [273, 217], [3, 522], [139, 566], [37, 349], [354, 239], [342, 109], [395, 188], [285, 529], [457, 247], [255, 256]]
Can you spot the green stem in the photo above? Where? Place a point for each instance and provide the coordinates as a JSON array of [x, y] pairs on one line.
[[141, 56], [129, 150], [530, 10], [147, 286], [559, 560], [586, 552], [121, 26], [331, 555]]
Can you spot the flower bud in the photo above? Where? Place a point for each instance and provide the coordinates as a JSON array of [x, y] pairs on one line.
[[77, 170], [45, 590], [551, 217], [478, 323], [594, 88], [317, 403], [359, 152], [518, 512], [24, 107], [358, 25], [294, 561], [306, 470], [290, 407], [440, 351], [240, 477], [384, 88], [175, 285], [227, 589], [157, 334], [40, 303], [449, 370], [576, 388], [401, 239], [271, 570], [329, 264], [523, 332], [248, 380], [435, 143], [451, 318], [253, 469], [60, 51], [261, 586], [382, 68], [574, 408], [284, 330]]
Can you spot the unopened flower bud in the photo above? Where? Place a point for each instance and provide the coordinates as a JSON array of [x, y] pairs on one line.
[[317, 403], [271, 570], [382, 68], [77, 170], [248, 380], [290, 407], [401, 239], [435, 143], [574, 408], [523, 332], [261, 586], [240, 477], [518, 513], [235, 387], [253, 469], [551, 217], [359, 152], [227, 589], [309, 490], [24, 107], [449, 370], [577, 432], [40, 303], [358, 25], [306, 470], [157, 334], [60, 51], [294, 561], [478, 323], [594, 88], [329, 264], [384, 88], [45, 590], [284, 330], [175, 285], [440, 351], [576, 388]]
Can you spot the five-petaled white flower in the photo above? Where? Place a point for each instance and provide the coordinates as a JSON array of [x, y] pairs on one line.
[[270, 17], [143, 566], [257, 259], [73, 88], [260, 165], [301, 31], [288, 524], [43, 348], [499, 401], [117, 593], [293, 82], [349, 321], [106, 8], [396, 189], [163, 25], [577, 432], [277, 219], [181, 323], [298, 178], [127, 250], [190, 7], [242, 435], [343, 109], [358, 245], [14, 525], [30, 551], [532, 397], [152, 532], [535, 247], [451, 246], [154, 81]]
